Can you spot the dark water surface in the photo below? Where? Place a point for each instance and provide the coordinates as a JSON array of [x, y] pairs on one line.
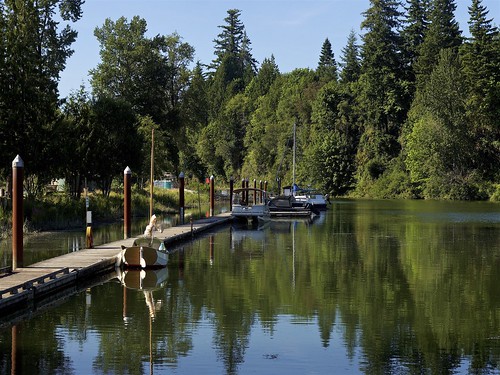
[[369, 287]]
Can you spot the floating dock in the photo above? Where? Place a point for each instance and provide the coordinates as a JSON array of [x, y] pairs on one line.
[[26, 289]]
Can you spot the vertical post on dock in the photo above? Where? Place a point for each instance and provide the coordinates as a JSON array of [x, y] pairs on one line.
[[181, 197], [127, 173], [265, 185], [231, 188], [17, 212], [255, 191], [243, 197], [261, 199], [212, 195]]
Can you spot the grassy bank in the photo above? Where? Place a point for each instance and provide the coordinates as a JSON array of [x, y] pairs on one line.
[[58, 211]]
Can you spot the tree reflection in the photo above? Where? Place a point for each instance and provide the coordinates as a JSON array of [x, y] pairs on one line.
[[410, 295]]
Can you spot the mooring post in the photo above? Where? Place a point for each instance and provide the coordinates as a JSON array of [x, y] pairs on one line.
[[243, 198], [212, 195], [261, 198], [231, 188], [255, 191], [17, 212], [265, 185], [181, 197], [127, 174]]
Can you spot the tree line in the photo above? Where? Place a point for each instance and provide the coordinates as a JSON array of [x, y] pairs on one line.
[[411, 109]]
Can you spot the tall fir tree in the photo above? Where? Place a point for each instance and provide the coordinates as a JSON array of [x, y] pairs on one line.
[[443, 32], [351, 66], [233, 67], [413, 33], [327, 66], [480, 56], [234, 41], [381, 95]]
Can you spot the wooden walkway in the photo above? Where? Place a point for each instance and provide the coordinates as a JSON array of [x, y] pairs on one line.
[[25, 287]]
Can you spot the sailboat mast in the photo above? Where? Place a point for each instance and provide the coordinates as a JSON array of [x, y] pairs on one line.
[[294, 146], [151, 187]]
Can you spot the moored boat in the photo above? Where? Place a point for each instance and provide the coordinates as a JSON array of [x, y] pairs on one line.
[[145, 253], [287, 206], [313, 197]]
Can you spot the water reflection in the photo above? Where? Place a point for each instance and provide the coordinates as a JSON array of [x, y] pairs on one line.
[[372, 287]]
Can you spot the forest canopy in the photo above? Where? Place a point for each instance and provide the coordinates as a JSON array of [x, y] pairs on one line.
[[410, 109]]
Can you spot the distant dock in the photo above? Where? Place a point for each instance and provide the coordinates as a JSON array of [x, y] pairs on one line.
[[30, 288]]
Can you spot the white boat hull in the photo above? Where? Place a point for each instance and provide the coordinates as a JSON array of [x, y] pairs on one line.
[[143, 257]]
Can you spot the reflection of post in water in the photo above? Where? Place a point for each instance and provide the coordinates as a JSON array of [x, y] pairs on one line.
[[211, 250], [181, 263], [124, 310], [15, 357]]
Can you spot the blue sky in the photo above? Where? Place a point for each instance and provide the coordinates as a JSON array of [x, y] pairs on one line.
[[291, 30]]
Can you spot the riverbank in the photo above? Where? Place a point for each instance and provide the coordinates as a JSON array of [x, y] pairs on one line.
[[58, 211]]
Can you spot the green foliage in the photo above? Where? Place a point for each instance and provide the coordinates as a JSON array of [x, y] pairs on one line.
[[443, 32], [34, 48], [480, 57], [439, 145], [353, 136]]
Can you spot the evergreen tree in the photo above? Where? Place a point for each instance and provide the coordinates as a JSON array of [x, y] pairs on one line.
[[381, 90], [262, 82], [234, 41], [416, 25], [443, 32], [234, 65], [327, 66], [351, 65], [480, 57]]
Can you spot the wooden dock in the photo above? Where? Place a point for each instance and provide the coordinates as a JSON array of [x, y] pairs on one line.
[[28, 288]]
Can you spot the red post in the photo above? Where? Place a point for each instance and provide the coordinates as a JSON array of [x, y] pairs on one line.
[[181, 197], [231, 189], [127, 174], [17, 212], [212, 195]]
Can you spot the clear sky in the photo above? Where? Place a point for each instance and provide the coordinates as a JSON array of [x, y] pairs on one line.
[[291, 30]]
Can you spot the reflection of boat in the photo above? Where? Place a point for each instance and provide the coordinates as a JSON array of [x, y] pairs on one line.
[[240, 233], [145, 253], [250, 203], [284, 224], [143, 279], [287, 206], [146, 281]]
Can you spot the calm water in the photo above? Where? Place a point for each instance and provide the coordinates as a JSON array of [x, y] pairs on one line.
[[370, 287]]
